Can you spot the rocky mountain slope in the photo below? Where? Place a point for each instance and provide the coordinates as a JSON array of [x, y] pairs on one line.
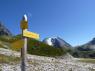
[[57, 42], [88, 46], [86, 50], [4, 30]]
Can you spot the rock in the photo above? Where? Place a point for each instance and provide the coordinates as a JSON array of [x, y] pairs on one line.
[[57, 42], [4, 30], [67, 56], [41, 63]]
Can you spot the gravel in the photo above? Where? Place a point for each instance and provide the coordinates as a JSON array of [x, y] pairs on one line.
[[41, 63]]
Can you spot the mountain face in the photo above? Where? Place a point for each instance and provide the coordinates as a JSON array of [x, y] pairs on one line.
[[4, 30], [88, 46], [56, 42], [86, 50]]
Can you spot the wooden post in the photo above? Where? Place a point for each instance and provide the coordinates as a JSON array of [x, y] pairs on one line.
[[24, 55], [24, 26]]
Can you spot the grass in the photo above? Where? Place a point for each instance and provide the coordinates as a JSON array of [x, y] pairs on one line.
[[87, 60], [38, 48], [35, 47], [9, 59]]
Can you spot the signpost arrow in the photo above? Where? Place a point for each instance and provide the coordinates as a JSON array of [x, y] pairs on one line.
[[30, 34]]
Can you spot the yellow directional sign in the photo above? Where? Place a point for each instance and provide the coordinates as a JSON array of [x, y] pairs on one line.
[[24, 25], [25, 33], [30, 34]]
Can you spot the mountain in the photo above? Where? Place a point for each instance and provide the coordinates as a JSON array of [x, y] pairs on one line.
[[4, 30], [88, 46], [86, 50], [56, 42], [34, 46]]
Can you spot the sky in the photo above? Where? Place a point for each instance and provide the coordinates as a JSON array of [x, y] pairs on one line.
[[72, 20]]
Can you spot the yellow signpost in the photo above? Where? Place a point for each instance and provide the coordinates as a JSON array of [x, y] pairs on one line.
[[25, 34], [30, 34], [24, 24]]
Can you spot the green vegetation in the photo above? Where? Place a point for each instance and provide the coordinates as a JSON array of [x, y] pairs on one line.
[[70, 69], [10, 39], [87, 60], [35, 47], [82, 53], [9, 59], [39, 48]]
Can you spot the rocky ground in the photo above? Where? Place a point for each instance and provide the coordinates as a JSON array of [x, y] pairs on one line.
[[40, 63]]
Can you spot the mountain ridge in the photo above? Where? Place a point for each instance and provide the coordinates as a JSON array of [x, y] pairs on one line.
[[56, 42], [4, 30]]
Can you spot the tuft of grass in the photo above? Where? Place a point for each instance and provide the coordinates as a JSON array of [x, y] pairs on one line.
[[87, 60], [70, 69], [9, 59]]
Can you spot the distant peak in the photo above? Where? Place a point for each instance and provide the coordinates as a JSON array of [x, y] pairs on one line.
[[54, 37], [56, 41], [94, 38], [4, 30]]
